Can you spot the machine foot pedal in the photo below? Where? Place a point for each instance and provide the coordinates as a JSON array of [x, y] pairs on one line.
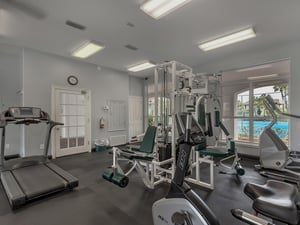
[[116, 178]]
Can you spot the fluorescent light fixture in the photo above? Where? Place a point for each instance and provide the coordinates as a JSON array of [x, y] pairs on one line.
[[228, 39], [140, 67], [160, 8], [87, 49], [263, 77], [254, 68]]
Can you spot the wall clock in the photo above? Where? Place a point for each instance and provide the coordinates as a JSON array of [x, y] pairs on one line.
[[72, 80]]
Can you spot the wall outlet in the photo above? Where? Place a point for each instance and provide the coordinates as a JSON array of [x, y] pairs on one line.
[[7, 146], [42, 146]]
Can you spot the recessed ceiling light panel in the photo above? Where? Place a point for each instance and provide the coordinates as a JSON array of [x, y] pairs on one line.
[[228, 39], [87, 49], [140, 67], [263, 77], [159, 8], [254, 68]]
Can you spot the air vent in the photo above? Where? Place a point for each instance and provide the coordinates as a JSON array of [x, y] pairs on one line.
[[75, 25], [131, 47], [130, 24]]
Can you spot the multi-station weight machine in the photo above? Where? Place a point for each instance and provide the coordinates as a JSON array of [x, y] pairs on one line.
[[176, 89]]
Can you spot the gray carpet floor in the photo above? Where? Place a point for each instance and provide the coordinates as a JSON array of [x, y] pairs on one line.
[[97, 201]]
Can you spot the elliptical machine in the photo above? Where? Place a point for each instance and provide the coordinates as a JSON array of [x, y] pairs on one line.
[[276, 160]]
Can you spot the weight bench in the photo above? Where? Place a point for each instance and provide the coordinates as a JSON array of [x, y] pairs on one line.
[[142, 159]]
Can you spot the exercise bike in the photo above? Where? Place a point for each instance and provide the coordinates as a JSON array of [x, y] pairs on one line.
[[182, 206]]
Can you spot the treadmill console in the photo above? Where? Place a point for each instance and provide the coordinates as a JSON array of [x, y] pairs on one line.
[[25, 112]]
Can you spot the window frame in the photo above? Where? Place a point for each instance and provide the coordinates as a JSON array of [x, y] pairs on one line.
[[252, 116]]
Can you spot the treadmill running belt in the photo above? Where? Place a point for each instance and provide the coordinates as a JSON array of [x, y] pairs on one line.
[[38, 180]]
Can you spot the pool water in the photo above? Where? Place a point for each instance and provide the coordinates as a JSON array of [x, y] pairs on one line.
[[281, 128]]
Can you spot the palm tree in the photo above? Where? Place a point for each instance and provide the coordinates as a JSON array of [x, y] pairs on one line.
[[240, 107], [259, 104], [283, 89]]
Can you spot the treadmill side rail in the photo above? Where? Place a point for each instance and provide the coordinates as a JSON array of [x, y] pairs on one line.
[[71, 180], [14, 193]]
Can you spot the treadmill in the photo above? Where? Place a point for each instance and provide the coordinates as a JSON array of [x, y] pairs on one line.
[[29, 178]]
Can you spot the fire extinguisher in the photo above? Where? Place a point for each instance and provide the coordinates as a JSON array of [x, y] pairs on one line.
[[101, 122]]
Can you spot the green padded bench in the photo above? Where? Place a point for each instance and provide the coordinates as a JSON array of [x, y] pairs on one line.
[[144, 151]]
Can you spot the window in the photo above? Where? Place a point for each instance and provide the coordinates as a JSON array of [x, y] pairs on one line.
[[164, 110], [250, 123], [243, 91]]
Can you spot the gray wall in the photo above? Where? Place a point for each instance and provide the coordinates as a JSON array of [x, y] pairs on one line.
[[41, 71], [247, 59], [10, 86], [136, 86], [35, 73]]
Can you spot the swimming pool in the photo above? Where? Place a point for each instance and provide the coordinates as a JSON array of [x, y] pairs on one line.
[[281, 128]]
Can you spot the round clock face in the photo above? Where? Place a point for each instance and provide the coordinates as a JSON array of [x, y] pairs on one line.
[[72, 80]]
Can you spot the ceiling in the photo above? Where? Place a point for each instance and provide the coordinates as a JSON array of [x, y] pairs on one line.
[[280, 68], [174, 37]]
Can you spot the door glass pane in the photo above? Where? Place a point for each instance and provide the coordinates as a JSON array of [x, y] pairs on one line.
[[81, 131], [63, 119], [64, 110], [80, 121], [63, 143], [72, 142], [72, 132], [80, 99], [81, 110], [72, 121], [72, 99], [64, 132], [66, 121], [80, 141], [63, 98], [73, 110]]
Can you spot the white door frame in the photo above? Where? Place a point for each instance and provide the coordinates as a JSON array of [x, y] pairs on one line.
[[53, 104]]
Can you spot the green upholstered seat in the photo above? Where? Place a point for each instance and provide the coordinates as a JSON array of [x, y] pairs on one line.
[[148, 142]]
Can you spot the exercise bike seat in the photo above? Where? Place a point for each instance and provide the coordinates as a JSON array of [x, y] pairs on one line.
[[275, 199]]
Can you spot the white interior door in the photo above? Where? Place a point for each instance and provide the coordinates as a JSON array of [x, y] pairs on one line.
[[72, 107], [135, 104]]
